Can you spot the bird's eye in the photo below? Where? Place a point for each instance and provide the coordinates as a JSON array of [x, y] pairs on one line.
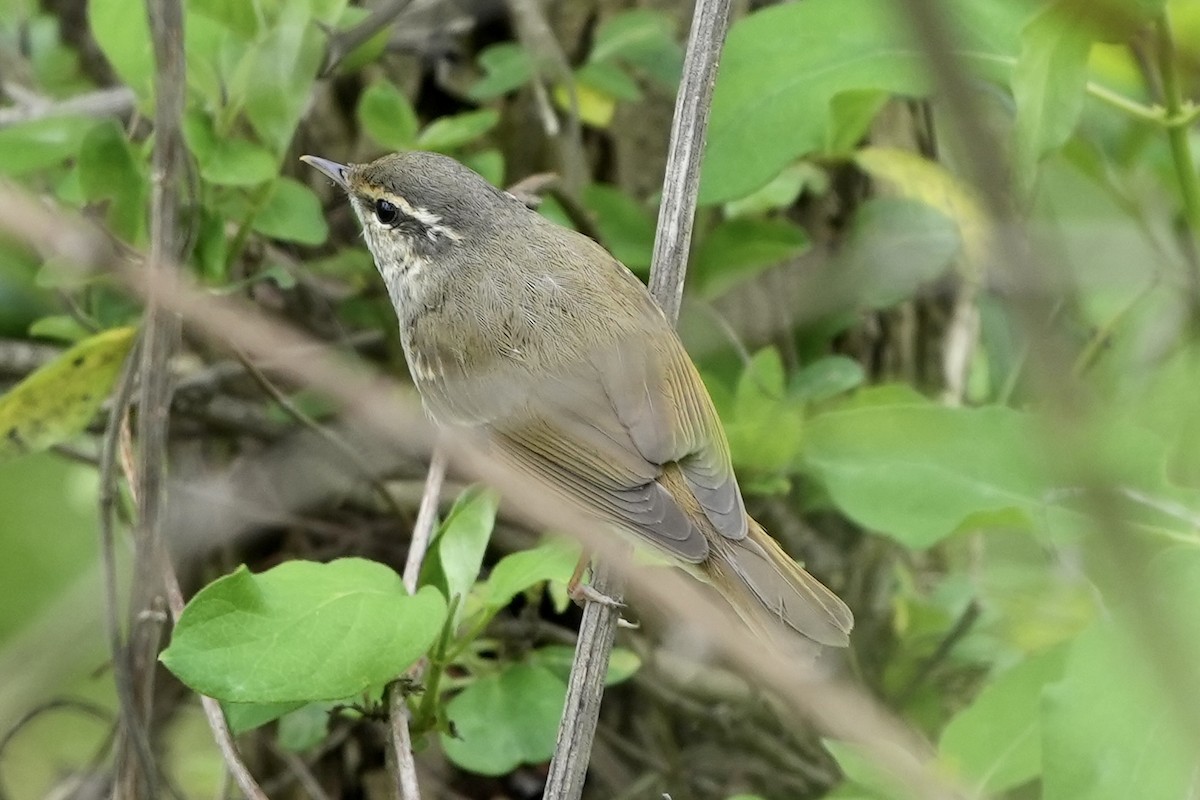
[[386, 212]]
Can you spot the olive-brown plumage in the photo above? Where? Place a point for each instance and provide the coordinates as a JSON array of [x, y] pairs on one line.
[[536, 336]]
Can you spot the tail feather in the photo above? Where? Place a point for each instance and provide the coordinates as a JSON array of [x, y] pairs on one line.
[[759, 576]]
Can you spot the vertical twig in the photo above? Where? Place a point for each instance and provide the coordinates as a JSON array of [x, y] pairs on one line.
[[400, 755], [689, 128], [160, 331]]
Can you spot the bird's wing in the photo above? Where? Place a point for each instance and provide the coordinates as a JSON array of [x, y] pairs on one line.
[[603, 433]]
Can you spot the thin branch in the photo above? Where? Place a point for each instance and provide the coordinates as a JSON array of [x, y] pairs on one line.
[[400, 755], [597, 631], [107, 496], [550, 62], [160, 332], [343, 43]]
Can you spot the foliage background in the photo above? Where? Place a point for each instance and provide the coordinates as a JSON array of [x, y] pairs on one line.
[[989, 452]]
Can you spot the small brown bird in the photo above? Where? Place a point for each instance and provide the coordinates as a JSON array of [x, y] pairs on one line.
[[534, 335]]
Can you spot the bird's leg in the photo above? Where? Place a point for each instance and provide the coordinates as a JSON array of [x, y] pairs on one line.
[[582, 593]]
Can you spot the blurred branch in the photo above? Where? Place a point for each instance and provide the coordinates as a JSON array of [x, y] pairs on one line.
[[19, 357], [343, 43], [31, 107], [597, 631]]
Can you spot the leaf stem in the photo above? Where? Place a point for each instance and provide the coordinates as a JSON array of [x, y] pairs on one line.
[[1177, 135]]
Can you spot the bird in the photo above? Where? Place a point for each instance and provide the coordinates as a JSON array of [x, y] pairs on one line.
[[534, 336]]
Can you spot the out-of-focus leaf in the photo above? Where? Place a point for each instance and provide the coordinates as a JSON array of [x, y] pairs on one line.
[[226, 160], [626, 226], [244, 717], [292, 213], [1048, 82], [917, 178], [30, 146], [302, 631], [895, 248], [506, 66], [488, 163], [766, 424], [642, 38], [1104, 744], [596, 107], [449, 133], [917, 472], [123, 33], [110, 171], [825, 378], [995, 743], [57, 401], [608, 79], [276, 82], [782, 66], [558, 658], [387, 116], [739, 249]]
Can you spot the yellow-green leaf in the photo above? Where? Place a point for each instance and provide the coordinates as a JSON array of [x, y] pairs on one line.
[[58, 400]]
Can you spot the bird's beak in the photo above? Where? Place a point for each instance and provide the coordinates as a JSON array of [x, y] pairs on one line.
[[333, 169]]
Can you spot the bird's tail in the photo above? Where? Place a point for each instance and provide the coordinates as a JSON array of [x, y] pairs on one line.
[[761, 580]]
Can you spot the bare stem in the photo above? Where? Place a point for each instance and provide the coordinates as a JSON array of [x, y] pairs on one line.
[[597, 631], [400, 738]]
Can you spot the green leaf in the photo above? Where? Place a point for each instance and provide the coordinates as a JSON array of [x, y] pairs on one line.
[[292, 213], [608, 79], [123, 33], [226, 160], [302, 631], [929, 183], [58, 400], [449, 133], [642, 38], [1107, 730], [995, 743], [304, 728], [781, 192], [275, 85], [62, 327], [918, 472], [783, 65], [387, 116], [463, 537], [31, 146], [554, 559], [244, 717], [878, 782], [558, 658], [110, 171], [626, 226], [506, 66], [766, 425], [505, 720], [895, 247], [739, 249], [825, 378], [1048, 83]]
